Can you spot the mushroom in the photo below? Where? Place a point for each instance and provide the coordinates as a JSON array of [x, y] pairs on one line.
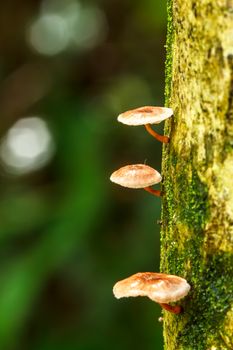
[[137, 176], [145, 116], [159, 287]]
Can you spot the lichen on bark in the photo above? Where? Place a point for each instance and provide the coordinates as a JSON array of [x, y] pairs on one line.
[[197, 211]]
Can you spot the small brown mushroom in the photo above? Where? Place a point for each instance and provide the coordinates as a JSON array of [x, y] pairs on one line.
[[159, 287], [145, 116], [137, 176]]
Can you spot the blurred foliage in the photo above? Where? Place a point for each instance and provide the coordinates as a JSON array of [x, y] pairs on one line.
[[67, 234]]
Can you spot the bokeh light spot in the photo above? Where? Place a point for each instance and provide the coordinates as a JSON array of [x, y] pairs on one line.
[[67, 26], [89, 29], [27, 146], [49, 34]]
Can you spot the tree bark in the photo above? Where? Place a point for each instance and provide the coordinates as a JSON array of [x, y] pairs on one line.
[[197, 210]]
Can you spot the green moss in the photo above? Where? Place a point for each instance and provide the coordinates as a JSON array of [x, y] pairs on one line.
[[196, 232], [193, 201], [168, 64], [185, 194], [185, 214], [211, 290], [228, 147], [208, 302]]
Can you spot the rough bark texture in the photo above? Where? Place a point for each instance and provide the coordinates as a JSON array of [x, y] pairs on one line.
[[197, 215]]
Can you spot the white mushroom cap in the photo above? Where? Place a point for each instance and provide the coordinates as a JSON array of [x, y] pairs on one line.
[[159, 287], [145, 115], [136, 176]]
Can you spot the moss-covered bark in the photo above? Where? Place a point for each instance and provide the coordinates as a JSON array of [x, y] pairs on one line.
[[197, 214]]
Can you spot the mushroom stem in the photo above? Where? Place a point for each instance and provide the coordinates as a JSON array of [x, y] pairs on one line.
[[174, 309], [152, 191], [161, 138]]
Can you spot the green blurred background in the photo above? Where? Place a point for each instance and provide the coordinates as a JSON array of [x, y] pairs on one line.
[[67, 234]]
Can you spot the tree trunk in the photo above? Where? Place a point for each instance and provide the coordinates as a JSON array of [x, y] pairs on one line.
[[197, 213]]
